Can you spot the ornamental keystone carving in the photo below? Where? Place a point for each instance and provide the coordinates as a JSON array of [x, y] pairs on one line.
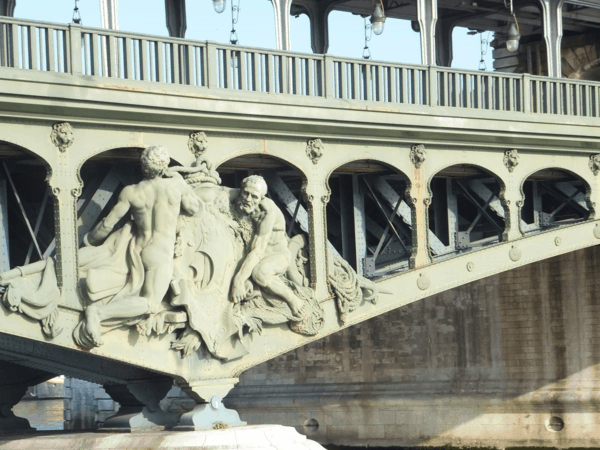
[[62, 135], [594, 164], [197, 143], [314, 150], [511, 159], [214, 268], [417, 155]]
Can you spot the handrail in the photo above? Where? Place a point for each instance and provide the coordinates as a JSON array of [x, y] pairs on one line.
[[76, 50]]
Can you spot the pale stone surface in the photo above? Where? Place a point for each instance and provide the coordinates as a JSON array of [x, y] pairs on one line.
[[486, 364], [260, 437]]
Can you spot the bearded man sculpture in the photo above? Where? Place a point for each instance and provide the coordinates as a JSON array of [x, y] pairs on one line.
[[269, 256]]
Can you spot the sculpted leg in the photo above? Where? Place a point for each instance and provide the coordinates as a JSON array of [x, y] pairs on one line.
[[127, 308], [266, 275], [156, 286]]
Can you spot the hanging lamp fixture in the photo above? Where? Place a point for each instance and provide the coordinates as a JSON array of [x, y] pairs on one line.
[[368, 34], [76, 14], [512, 42], [235, 15], [219, 5], [378, 18]]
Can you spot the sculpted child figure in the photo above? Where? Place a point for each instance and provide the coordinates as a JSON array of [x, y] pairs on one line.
[[268, 257], [154, 204]]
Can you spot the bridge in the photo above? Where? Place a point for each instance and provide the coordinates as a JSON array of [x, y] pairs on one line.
[[406, 181]]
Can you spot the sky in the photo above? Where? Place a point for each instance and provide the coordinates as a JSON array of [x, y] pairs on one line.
[[256, 28]]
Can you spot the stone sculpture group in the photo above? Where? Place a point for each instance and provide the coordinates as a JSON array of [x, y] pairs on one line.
[[212, 263]]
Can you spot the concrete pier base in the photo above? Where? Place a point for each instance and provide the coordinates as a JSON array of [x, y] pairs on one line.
[[259, 437]]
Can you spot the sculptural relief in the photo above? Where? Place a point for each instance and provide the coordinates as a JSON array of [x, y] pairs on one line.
[[209, 263], [62, 135]]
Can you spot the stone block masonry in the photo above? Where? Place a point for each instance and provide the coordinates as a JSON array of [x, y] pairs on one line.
[[509, 360]]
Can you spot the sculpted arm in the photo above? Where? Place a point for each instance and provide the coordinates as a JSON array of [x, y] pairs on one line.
[[105, 227], [259, 246], [189, 201]]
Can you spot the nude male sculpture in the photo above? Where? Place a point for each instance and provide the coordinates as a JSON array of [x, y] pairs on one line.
[[269, 256], [155, 204]]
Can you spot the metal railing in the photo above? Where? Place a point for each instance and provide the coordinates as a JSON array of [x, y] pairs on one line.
[[72, 49]]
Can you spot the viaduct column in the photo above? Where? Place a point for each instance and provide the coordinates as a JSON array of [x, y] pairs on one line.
[[282, 23], [7, 8], [427, 18], [552, 11], [176, 17]]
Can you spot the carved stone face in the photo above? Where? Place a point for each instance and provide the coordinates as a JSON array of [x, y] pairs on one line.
[[249, 198]]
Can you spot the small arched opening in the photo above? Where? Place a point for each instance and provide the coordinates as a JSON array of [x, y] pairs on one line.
[[26, 212], [368, 219], [466, 210], [553, 198]]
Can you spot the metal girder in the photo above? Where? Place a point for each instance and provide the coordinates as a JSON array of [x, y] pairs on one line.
[[483, 193], [4, 249], [38, 223], [482, 209], [29, 228], [568, 189], [360, 242], [404, 212], [97, 203]]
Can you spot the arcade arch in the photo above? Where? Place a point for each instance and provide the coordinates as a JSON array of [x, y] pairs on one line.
[[27, 232], [552, 198], [369, 221], [466, 210]]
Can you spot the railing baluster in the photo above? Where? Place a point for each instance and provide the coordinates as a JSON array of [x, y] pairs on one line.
[[368, 83], [128, 59], [297, 73], [579, 109], [509, 94], [176, 62], [95, 55], [144, 66], [188, 61], [25, 47], [33, 47], [379, 86], [343, 82], [243, 71], [310, 77], [160, 62], [50, 51], [15, 45], [392, 85], [269, 67]]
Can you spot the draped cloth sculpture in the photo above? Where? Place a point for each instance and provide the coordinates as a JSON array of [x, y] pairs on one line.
[[210, 261]]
